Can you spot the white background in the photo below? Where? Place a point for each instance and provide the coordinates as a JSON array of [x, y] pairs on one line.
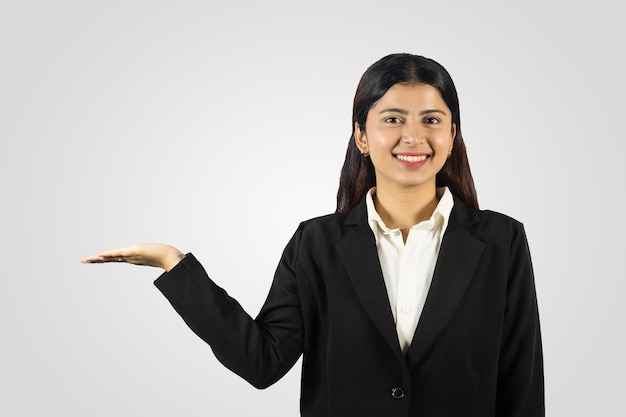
[[218, 126]]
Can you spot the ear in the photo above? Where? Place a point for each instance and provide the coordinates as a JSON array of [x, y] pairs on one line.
[[360, 138], [452, 137]]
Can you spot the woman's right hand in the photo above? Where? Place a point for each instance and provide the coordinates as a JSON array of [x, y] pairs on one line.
[[150, 254]]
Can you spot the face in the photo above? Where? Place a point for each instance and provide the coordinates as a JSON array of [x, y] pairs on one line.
[[408, 135]]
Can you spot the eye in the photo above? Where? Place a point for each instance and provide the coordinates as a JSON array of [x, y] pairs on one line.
[[393, 120], [432, 120]]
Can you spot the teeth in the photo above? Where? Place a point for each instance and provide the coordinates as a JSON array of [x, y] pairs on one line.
[[411, 158]]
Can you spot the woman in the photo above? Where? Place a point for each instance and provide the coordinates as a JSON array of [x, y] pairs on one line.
[[408, 301]]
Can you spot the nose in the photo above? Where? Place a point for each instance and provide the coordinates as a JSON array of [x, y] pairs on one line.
[[412, 134]]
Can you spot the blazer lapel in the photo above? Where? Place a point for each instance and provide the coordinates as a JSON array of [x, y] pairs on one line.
[[458, 257], [358, 253]]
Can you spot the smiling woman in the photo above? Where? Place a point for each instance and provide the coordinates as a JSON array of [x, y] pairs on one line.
[[408, 135], [406, 301]]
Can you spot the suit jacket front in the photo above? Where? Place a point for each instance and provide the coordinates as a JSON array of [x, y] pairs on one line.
[[476, 350]]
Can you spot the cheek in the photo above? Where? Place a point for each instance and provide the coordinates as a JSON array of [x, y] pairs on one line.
[[441, 142], [379, 142]]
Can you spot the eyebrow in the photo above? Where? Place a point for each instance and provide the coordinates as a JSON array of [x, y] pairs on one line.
[[404, 112]]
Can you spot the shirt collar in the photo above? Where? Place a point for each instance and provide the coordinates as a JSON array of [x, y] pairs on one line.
[[439, 218]]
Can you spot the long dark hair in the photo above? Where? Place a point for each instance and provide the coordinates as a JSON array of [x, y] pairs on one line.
[[357, 174]]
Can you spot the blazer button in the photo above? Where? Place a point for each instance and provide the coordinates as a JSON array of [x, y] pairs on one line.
[[397, 393]]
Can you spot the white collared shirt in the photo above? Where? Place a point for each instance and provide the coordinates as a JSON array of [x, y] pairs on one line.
[[408, 268]]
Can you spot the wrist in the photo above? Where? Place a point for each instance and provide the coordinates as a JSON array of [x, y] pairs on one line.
[[172, 260]]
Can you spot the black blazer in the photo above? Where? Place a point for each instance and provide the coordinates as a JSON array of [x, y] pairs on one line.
[[476, 349]]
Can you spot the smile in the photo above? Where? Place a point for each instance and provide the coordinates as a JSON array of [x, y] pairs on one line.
[[412, 158]]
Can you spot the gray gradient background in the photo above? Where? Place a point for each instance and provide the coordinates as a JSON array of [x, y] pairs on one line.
[[217, 128]]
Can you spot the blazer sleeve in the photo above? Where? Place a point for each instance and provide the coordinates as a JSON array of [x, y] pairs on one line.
[[520, 389], [259, 350]]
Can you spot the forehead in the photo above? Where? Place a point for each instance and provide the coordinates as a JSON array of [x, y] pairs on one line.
[[410, 96]]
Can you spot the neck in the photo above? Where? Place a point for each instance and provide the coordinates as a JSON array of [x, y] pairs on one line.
[[402, 208]]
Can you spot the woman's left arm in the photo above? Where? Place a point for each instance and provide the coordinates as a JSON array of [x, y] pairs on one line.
[[520, 389]]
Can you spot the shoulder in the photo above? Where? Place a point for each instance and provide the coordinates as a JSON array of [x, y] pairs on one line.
[[316, 237], [486, 225], [498, 219], [502, 238], [500, 230], [323, 227]]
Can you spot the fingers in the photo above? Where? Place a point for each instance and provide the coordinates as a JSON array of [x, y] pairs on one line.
[[124, 254], [98, 259]]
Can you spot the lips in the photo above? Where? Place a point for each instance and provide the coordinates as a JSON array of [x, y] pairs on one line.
[[412, 158]]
